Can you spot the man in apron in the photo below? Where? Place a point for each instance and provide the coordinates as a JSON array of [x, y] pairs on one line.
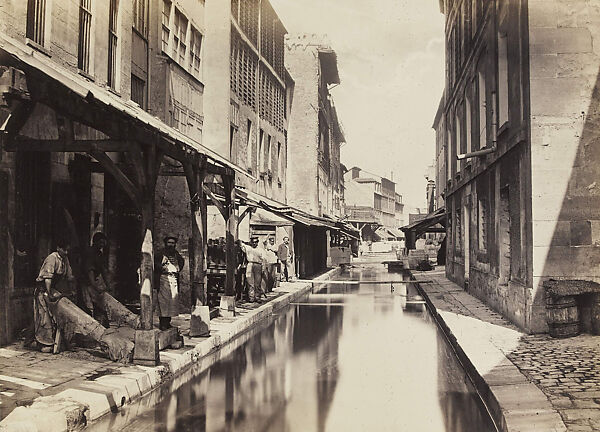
[[55, 280], [168, 263]]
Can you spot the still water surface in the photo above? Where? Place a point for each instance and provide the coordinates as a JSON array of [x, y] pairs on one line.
[[344, 358]]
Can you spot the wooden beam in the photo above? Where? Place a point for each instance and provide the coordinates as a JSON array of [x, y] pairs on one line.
[[42, 145], [247, 211], [215, 201], [220, 170], [130, 189], [195, 171], [231, 234]]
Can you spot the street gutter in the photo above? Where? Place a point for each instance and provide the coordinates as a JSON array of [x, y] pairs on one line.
[[74, 408]]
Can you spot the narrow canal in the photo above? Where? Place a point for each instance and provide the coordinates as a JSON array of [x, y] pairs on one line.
[[357, 357]]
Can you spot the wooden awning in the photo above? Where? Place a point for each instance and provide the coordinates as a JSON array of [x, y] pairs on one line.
[[82, 101]]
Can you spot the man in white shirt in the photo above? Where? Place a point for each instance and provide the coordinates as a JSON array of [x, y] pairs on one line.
[[254, 271]]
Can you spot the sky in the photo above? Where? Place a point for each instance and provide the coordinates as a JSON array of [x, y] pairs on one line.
[[391, 64]]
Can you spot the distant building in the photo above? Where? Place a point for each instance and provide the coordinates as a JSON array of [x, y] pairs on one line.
[[315, 178], [522, 165], [371, 203]]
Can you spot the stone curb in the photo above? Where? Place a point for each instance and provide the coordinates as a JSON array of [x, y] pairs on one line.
[[73, 408], [514, 403]]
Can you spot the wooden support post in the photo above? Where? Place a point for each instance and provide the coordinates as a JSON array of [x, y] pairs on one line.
[[147, 164], [227, 305], [195, 172]]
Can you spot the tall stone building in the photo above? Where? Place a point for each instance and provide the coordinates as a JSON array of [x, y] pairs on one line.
[[248, 92], [519, 126], [315, 178]]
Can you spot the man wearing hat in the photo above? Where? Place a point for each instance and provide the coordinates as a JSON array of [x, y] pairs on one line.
[[254, 270], [167, 265]]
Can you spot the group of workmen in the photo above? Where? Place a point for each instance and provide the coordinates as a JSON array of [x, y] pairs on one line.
[[259, 269], [257, 272]]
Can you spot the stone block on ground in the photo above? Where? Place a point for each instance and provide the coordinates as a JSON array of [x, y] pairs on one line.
[[166, 338], [227, 306], [200, 321], [146, 351]]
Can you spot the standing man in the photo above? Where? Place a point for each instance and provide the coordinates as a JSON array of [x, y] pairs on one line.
[[55, 280], [254, 271], [271, 251], [168, 263], [241, 292], [95, 282], [284, 256]]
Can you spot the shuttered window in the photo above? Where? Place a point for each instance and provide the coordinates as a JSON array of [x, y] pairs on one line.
[[36, 20], [85, 34], [113, 14]]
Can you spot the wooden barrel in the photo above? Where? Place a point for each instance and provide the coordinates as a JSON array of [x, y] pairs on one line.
[[562, 316]]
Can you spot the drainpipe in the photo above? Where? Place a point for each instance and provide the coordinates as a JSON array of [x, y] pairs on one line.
[[486, 150]]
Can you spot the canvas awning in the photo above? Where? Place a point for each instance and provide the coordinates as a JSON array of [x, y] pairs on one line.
[[264, 217]]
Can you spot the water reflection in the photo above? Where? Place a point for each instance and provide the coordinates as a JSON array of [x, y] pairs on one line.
[[347, 357]]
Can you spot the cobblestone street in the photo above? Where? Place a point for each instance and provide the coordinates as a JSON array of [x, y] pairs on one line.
[[566, 371]]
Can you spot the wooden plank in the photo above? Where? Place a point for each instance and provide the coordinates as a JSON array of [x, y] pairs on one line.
[[215, 201], [112, 168], [342, 282]]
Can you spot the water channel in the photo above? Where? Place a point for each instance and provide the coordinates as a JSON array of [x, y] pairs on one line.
[[356, 357]]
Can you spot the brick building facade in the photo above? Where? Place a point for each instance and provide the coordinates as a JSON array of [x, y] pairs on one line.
[[520, 108]]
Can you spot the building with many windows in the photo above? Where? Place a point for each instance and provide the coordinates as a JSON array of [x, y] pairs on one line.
[[248, 92], [372, 205], [521, 167]]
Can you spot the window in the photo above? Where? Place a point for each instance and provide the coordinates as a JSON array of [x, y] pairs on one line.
[[138, 90], [474, 16], [502, 79], [179, 37], [449, 153], [482, 232], [249, 145], [279, 162], [85, 34], [113, 13], [457, 228], [36, 20], [468, 127], [482, 118], [458, 130], [269, 154], [261, 152], [195, 46], [140, 17], [166, 30]]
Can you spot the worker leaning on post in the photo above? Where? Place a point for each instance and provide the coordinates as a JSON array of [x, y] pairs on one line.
[[55, 281]]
